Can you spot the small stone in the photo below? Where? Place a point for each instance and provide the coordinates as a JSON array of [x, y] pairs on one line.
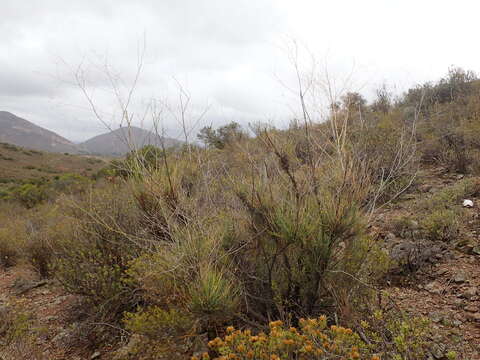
[[476, 250], [474, 317], [390, 237], [95, 355], [436, 317], [467, 203], [471, 308], [433, 288], [441, 272], [459, 277], [50, 318], [425, 188], [438, 351], [457, 322], [470, 292]]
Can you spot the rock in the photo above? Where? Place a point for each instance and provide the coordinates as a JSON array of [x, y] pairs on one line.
[[425, 188], [433, 287], [474, 317], [458, 302], [470, 292], [476, 250], [441, 272], [459, 277], [438, 351], [61, 338], [467, 203], [457, 322], [471, 308], [436, 317], [50, 318], [390, 237], [22, 286], [129, 349], [95, 355]]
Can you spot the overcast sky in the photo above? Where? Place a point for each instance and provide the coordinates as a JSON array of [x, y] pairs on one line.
[[229, 54]]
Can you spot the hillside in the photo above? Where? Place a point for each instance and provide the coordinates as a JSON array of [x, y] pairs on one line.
[[20, 132], [445, 290], [120, 141], [360, 243], [19, 164]]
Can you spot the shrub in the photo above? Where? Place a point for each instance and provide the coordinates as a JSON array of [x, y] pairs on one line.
[[158, 324], [441, 225], [70, 183], [380, 337], [405, 227], [48, 228], [12, 235], [103, 242], [30, 195], [304, 239]]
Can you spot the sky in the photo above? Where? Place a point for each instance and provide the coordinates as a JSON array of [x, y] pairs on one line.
[[232, 57]]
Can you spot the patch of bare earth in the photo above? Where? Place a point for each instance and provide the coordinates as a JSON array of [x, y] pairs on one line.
[[446, 286], [52, 311]]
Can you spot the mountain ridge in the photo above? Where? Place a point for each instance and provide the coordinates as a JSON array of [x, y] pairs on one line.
[[21, 132], [124, 139], [18, 131]]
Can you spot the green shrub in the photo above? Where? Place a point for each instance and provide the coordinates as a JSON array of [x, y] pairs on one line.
[[441, 225], [159, 324], [103, 241], [12, 235], [9, 247], [453, 195], [30, 195], [70, 183], [48, 227], [405, 226]]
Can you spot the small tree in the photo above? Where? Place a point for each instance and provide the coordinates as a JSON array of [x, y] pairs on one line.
[[224, 135]]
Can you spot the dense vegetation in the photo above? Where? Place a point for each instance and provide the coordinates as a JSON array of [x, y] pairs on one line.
[[174, 247]]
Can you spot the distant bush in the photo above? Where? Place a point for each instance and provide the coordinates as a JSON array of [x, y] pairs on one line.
[[223, 136], [30, 195], [10, 147], [70, 183]]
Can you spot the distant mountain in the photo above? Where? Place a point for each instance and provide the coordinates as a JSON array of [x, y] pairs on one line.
[[18, 131], [122, 140]]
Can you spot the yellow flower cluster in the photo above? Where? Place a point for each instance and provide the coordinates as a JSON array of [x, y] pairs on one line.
[[313, 340]]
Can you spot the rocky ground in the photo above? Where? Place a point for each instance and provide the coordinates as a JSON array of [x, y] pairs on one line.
[[438, 280]]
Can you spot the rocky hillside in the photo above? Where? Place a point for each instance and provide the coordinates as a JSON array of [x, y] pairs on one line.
[[17, 131]]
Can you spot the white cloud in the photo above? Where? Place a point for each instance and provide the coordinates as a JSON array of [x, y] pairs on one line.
[[225, 52]]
